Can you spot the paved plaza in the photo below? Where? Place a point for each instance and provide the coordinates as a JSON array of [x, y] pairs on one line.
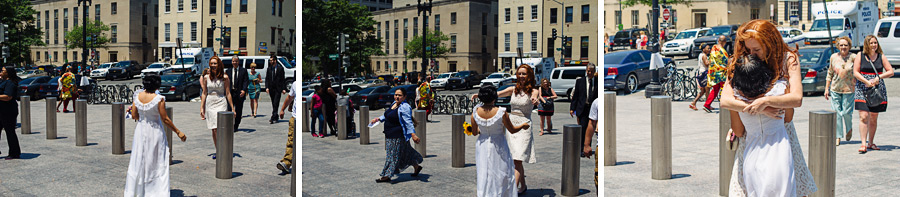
[[59, 168], [346, 168], [695, 151]]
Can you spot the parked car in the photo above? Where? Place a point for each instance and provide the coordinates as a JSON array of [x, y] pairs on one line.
[[627, 70], [20, 71], [504, 101], [792, 36], [347, 87], [562, 79], [102, 70], [30, 86], [889, 26], [33, 73], [179, 86], [498, 79], [354, 81], [441, 80], [385, 99], [814, 64], [465, 79], [307, 94], [372, 83], [712, 36], [124, 69], [362, 97], [48, 89], [159, 68], [683, 43], [627, 38]]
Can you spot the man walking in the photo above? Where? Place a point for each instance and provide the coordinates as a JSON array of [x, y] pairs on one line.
[[585, 92], [239, 83], [274, 85], [287, 160]]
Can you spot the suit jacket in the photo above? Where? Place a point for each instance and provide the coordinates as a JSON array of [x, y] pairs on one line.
[[582, 97], [241, 81], [275, 78]]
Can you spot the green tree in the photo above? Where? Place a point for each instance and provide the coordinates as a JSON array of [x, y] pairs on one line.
[[22, 32], [95, 30], [435, 43], [323, 21]]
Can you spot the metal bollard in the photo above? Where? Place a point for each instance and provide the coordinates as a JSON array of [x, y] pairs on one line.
[[118, 128], [609, 129], [661, 137], [80, 122], [305, 124], [458, 141], [51, 118], [25, 105], [571, 159], [225, 140], [822, 161], [420, 131], [363, 125], [341, 122], [169, 133], [726, 157]]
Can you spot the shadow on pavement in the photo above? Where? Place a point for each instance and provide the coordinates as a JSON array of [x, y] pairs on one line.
[[27, 156], [676, 176], [430, 156], [541, 192], [422, 178], [236, 174], [468, 165], [176, 193], [887, 147], [619, 163], [246, 130], [91, 144], [177, 162]]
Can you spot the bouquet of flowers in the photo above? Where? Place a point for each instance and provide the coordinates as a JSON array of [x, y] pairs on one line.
[[467, 128]]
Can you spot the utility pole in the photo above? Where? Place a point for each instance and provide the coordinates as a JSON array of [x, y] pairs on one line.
[[84, 33], [655, 60], [424, 8]]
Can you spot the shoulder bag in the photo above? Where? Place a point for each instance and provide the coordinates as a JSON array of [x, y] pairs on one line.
[[874, 96]]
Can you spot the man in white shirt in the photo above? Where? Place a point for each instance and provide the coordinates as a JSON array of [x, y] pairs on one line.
[[589, 134], [286, 161]]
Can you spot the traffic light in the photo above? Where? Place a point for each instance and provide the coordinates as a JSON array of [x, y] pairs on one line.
[[5, 51], [345, 61], [213, 24], [344, 40], [554, 33]]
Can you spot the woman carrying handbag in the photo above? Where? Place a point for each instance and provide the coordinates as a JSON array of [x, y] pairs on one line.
[[870, 96]]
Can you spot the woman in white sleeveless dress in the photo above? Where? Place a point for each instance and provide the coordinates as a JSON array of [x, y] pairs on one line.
[[760, 38], [148, 169], [214, 96], [494, 165]]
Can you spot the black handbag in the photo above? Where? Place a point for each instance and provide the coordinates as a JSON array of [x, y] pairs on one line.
[[874, 96]]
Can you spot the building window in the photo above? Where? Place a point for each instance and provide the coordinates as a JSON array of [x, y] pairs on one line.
[[585, 13], [227, 38], [280, 7], [156, 32], [520, 40], [405, 30], [506, 42], [754, 13], [395, 65], [114, 32], [181, 5], [273, 7], [212, 6], [55, 27], [75, 16], [521, 13], [453, 43], [181, 31], [65, 57], [65, 18], [437, 22], [209, 37], [496, 20], [794, 10], [242, 41], [227, 7], [378, 30], [193, 5], [415, 26], [377, 65], [97, 12], [169, 5], [453, 18], [534, 12], [404, 66], [534, 41], [74, 55], [585, 45], [55, 54], [618, 17], [554, 15], [244, 6], [568, 47], [634, 18], [37, 56], [569, 12], [193, 31], [167, 31], [38, 21], [155, 10], [396, 36], [507, 14], [387, 37]]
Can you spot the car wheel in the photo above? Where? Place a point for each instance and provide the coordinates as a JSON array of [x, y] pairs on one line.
[[631, 83], [184, 96]]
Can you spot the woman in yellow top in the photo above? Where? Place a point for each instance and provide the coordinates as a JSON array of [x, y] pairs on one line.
[[66, 89]]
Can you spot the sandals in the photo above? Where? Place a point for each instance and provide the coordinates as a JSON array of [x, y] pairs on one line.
[[694, 107], [862, 149], [848, 135], [416, 173], [707, 109], [383, 180], [873, 147]]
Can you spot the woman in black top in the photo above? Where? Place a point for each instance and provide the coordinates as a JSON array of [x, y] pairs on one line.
[[329, 100], [398, 130], [8, 96], [870, 68], [546, 108]]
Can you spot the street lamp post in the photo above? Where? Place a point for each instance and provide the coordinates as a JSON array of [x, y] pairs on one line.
[[84, 33], [424, 8], [562, 31], [656, 60]]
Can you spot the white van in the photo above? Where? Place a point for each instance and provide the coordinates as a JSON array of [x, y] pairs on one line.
[[192, 60], [262, 64], [562, 79], [888, 33], [854, 19]]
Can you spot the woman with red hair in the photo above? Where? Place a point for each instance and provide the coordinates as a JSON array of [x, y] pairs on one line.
[[768, 161]]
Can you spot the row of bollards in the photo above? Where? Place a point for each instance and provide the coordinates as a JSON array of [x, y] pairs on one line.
[[225, 140]]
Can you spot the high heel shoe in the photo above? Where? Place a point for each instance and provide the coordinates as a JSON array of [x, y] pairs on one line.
[[525, 188]]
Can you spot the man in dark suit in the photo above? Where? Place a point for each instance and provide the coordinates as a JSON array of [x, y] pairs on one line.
[[274, 85], [585, 92], [239, 82]]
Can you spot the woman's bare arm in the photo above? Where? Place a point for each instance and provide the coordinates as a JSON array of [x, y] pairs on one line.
[[203, 97], [167, 121], [475, 130], [228, 92], [508, 124]]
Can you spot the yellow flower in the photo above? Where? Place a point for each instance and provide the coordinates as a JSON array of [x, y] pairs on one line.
[[467, 129]]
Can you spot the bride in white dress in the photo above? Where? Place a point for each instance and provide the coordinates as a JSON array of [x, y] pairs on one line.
[[494, 165], [148, 170]]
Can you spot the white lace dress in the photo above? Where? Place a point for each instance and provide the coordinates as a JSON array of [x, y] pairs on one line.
[[215, 101], [148, 170], [494, 166], [521, 144]]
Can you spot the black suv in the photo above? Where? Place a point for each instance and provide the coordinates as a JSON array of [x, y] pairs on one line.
[[124, 69], [711, 36], [465, 79], [628, 38]]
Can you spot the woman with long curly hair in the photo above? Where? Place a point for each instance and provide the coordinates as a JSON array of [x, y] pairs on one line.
[[215, 95], [769, 160], [870, 69]]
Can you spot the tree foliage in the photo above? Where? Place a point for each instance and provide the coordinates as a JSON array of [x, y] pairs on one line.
[[629, 3], [95, 29], [323, 21], [435, 42], [22, 32]]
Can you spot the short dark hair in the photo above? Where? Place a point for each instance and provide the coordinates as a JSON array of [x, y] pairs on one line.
[[151, 83], [402, 90], [752, 77], [487, 94]]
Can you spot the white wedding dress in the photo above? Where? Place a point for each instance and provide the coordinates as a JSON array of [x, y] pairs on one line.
[[521, 144], [148, 170], [494, 165]]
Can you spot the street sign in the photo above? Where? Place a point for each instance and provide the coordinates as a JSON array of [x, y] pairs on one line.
[[558, 49], [333, 56], [666, 14], [890, 5], [664, 25]]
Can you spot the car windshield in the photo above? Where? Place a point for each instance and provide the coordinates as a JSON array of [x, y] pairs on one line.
[[104, 66], [187, 60], [462, 74], [155, 66], [495, 76], [170, 79], [445, 75], [614, 58], [808, 57], [718, 31], [622, 34], [123, 64], [686, 34], [307, 92], [784, 34], [822, 25], [285, 62]]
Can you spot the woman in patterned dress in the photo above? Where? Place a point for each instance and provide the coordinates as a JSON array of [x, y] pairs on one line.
[[399, 129], [66, 89], [870, 69], [254, 88], [718, 60]]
